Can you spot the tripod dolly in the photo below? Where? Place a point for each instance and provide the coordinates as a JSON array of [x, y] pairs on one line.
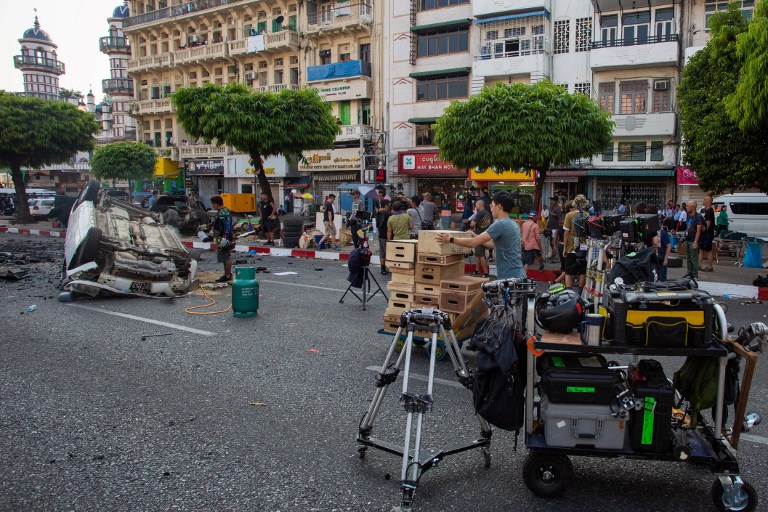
[[413, 466]]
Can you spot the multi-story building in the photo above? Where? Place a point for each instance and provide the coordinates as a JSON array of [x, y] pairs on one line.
[[116, 124], [39, 64]]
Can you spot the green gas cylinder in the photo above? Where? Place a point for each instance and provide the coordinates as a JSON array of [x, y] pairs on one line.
[[245, 292]]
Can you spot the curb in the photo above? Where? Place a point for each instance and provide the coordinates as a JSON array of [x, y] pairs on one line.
[[34, 232]]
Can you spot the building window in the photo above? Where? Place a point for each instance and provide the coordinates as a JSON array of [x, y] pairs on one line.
[[325, 57], [365, 52], [442, 88], [446, 41], [562, 36], [608, 28], [427, 5], [712, 6], [425, 135], [657, 151], [665, 24], [584, 88], [583, 34], [662, 101], [634, 97], [636, 26], [608, 154], [607, 96], [631, 151]]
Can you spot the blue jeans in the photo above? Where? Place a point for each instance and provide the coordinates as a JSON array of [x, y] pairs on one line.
[[662, 273]]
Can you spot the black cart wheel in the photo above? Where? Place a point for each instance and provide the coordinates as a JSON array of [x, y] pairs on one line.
[[547, 476], [486, 456], [89, 193], [361, 449], [745, 502]]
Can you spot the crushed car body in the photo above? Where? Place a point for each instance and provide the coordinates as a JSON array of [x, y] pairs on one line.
[[114, 248]]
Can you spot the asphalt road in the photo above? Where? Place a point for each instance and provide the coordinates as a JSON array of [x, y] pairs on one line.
[[94, 418]]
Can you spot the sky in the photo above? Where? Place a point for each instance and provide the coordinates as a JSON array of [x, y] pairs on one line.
[[74, 26]]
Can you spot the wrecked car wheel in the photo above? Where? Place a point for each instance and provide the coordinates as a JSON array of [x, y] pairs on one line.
[[89, 193], [171, 217], [88, 249], [66, 297]]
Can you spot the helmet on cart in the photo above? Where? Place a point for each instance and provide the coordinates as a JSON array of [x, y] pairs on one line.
[[560, 311]]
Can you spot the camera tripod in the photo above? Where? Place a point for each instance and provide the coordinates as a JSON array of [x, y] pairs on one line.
[[365, 255], [414, 466]]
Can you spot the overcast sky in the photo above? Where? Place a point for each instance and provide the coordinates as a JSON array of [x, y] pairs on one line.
[[74, 26]]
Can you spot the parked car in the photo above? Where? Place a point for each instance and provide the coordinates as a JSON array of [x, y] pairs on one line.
[[113, 248], [747, 212], [122, 195], [183, 212], [141, 199], [62, 208], [41, 208]]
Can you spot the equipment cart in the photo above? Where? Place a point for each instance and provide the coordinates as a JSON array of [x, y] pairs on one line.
[[548, 470]]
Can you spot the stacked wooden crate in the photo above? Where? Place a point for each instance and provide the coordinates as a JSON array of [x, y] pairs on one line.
[[401, 261]]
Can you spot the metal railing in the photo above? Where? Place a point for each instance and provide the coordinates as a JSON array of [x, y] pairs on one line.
[[117, 84], [522, 47], [113, 43], [634, 41], [20, 61], [341, 15], [176, 10]]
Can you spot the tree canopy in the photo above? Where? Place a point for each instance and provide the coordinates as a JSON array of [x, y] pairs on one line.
[[520, 125], [260, 124], [34, 133], [723, 156], [132, 161], [748, 105]]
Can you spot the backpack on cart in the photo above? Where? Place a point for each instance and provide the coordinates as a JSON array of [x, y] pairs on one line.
[[639, 266], [499, 380]]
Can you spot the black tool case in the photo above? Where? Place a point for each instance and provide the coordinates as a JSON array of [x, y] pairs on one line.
[[650, 428], [577, 379]]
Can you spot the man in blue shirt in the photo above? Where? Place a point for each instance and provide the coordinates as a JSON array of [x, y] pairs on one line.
[[503, 236]]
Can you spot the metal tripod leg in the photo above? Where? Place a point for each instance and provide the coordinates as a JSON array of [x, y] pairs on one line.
[[367, 276]]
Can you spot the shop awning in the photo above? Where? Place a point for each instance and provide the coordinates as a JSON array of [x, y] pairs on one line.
[[348, 186], [440, 72], [329, 177], [464, 22], [513, 16], [637, 173], [423, 120], [302, 182]]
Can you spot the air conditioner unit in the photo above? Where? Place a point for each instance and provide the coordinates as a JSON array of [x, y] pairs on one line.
[[251, 75], [661, 85]]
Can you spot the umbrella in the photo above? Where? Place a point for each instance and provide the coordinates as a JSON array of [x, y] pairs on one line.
[[372, 194], [307, 195]]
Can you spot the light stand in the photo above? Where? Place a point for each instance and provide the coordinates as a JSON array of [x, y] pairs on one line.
[[365, 255]]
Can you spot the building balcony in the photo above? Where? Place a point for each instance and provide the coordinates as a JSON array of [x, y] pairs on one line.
[[117, 86], [635, 53], [337, 70], [177, 11], [25, 62], [111, 44], [283, 40], [501, 59], [148, 107], [605, 6], [354, 132], [201, 150], [151, 62], [171, 152], [354, 17], [489, 7], [645, 125], [276, 87], [201, 53]]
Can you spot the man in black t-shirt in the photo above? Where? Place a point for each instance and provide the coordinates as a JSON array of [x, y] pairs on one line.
[[328, 222], [708, 236], [553, 223], [693, 234], [382, 218], [268, 216]]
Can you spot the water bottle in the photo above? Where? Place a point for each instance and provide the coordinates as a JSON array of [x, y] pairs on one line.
[[31, 308]]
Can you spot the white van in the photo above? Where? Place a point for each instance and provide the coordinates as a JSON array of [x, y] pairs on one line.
[[747, 212]]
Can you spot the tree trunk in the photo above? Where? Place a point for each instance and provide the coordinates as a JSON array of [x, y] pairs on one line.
[[539, 192], [261, 177], [22, 203]]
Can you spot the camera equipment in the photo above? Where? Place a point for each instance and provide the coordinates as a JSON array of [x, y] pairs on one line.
[[360, 275]]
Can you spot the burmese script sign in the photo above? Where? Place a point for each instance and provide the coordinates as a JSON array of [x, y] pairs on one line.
[[331, 160]]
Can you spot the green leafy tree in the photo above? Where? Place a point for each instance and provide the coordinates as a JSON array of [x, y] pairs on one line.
[[70, 93], [132, 161], [723, 156], [748, 105], [520, 125], [260, 124], [34, 133]]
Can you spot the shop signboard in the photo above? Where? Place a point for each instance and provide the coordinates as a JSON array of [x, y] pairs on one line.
[[489, 174], [210, 167], [425, 163], [241, 166], [686, 176], [331, 160], [342, 90]]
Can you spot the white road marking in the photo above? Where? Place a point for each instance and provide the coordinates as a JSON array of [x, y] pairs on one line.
[[305, 286], [425, 378], [145, 320], [754, 439]]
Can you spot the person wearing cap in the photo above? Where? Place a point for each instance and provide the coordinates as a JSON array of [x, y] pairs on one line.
[[575, 263], [531, 241], [553, 223]]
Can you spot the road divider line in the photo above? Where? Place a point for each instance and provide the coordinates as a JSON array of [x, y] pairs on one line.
[[424, 378], [145, 320], [754, 439]]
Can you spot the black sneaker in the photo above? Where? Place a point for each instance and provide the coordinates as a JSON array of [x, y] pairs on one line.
[[224, 279], [385, 271]]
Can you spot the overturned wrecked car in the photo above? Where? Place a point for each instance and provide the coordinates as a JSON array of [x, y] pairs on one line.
[[114, 248]]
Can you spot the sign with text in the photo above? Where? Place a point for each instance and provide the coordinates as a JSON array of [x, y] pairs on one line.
[[342, 90], [489, 174], [211, 167], [411, 162], [686, 176], [331, 160]]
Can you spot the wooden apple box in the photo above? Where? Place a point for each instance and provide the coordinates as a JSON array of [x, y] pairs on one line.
[[428, 273], [391, 322], [404, 278], [455, 302], [401, 287], [396, 307], [428, 288], [428, 243], [439, 259], [463, 284], [401, 296], [423, 299], [400, 265], [401, 250]]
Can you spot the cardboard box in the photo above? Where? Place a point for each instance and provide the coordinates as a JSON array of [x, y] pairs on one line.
[[439, 259], [455, 302], [428, 273], [463, 284], [401, 250], [400, 265], [401, 287], [428, 243], [428, 288]]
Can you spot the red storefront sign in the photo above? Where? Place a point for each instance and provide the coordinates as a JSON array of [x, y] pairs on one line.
[[412, 162], [686, 176]]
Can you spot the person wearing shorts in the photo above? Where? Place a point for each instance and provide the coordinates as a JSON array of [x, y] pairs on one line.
[[222, 231], [328, 222], [531, 242], [268, 215]]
